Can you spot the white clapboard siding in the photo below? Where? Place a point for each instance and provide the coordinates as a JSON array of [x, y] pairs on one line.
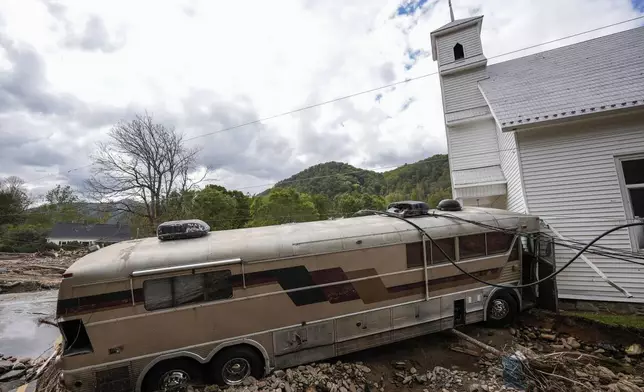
[[473, 145], [461, 90], [469, 38], [571, 182], [508, 155]]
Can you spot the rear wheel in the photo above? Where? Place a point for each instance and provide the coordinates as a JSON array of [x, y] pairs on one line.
[[233, 365], [502, 309], [173, 375]]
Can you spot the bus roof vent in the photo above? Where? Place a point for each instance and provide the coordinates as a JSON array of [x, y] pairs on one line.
[[449, 205], [407, 209], [181, 229]]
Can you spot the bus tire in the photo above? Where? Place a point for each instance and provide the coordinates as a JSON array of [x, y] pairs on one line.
[[232, 365], [502, 309], [172, 372]]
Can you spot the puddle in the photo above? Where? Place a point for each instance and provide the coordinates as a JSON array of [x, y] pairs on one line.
[[20, 334]]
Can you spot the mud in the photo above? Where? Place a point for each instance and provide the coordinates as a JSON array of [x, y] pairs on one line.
[[21, 273]]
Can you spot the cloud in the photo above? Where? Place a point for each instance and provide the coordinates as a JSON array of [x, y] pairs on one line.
[[79, 66], [94, 37]]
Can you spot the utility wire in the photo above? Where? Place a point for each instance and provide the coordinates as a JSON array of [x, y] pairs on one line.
[[378, 88], [455, 264]]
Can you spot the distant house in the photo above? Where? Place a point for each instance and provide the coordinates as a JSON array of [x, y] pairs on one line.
[[558, 134], [88, 234]]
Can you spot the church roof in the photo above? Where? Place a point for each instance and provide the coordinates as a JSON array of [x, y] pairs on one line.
[[598, 75], [455, 23]]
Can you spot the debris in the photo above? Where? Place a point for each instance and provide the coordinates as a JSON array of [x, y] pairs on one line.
[[400, 365], [476, 342], [548, 336], [464, 350], [12, 374], [634, 349]]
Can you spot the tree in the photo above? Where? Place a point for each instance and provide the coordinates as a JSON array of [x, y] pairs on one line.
[[282, 205], [215, 207], [350, 203], [61, 195], [242, 205], [13, 200], [141, 165], [434, 198]]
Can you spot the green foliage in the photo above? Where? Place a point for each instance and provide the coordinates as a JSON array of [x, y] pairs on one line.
[[23, 239], [282, 205], [348, 204], [416, 181], [215, 207], [334, 178], [13, 200], [434, 198]]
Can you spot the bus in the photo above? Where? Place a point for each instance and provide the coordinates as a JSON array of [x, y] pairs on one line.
[[198, 306]]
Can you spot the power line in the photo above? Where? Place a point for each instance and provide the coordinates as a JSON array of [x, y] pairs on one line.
[[377, 88]]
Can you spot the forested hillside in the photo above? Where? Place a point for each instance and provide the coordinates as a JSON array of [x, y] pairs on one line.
[[424, 180], [328, 190]]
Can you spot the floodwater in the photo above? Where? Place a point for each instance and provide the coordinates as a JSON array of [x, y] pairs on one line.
[[20, 334]]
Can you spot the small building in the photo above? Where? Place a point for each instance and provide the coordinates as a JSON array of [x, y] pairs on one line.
[[558, 134], [88, 234]]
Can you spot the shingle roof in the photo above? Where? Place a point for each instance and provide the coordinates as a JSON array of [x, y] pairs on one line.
[[477, 176], [601, 74], [103, 232]]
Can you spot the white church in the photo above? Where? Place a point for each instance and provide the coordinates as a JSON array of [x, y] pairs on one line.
[[558, 134]]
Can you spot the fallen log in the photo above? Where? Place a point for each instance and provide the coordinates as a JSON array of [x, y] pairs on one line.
[[475, 342]]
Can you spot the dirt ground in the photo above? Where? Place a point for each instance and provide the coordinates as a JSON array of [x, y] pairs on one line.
[[24, 272]]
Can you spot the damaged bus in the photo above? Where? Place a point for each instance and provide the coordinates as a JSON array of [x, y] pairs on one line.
[[197, 306]]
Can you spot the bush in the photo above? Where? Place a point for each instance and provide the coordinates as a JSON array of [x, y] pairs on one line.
[[23, 239]]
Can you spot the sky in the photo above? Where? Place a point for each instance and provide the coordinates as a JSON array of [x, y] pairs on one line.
[[70, 69]]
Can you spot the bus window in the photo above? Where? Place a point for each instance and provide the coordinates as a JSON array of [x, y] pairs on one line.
[[470, 246], [218, 286], [415, 255], [447, 245], [498, 242], [157, 294], [186, 289]]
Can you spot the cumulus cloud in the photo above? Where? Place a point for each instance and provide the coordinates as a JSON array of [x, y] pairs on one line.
[[79, 66]]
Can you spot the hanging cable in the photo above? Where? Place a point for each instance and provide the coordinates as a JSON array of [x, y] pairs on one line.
[[557, 272]]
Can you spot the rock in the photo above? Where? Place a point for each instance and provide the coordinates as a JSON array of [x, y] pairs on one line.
[[413, 370], [19, 366], [407, 380], [279, 373], [573, 343], [599, 351], [634, 349], [475, 388], [605, 375], [24, 360], [558, 347], [513, 332], [11, 385], [12, 374], [548, 336], [5, 365], [581, 374]]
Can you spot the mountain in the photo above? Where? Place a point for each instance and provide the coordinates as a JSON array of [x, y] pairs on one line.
[[418, 181]]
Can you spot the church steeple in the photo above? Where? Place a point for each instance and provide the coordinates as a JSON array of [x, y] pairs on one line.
[[457, 45], [451, 11]]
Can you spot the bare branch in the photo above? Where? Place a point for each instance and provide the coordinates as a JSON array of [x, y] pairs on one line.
[[141, 166]]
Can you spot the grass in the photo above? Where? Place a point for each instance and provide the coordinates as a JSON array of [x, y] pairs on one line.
[[628, 321]]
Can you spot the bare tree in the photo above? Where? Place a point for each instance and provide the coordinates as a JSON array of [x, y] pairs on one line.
[[141, 166]]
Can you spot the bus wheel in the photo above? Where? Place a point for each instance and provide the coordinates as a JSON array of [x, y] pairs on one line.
[[502, 309], [233, 365], [172, 375]]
